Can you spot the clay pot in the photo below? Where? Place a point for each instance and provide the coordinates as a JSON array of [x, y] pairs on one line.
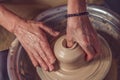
[[69, 58], [73, 66]]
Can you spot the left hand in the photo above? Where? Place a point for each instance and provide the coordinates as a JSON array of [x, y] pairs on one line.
[[80, 30], [32, 36]]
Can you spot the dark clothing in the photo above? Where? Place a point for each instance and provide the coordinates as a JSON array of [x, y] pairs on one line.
[[3, 65]]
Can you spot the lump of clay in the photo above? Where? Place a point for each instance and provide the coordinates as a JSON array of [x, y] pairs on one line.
[[72, 64]]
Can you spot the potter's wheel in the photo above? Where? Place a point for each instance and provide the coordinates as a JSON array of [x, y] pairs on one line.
[[106, 23], [71, 63]]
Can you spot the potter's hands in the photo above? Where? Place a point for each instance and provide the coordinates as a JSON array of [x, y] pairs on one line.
[[80, 30], [32, 36]]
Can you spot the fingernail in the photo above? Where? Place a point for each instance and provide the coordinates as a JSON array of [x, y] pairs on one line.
[[52, 61], [57, 33], [90, 58], [45, 69], [51, 67]]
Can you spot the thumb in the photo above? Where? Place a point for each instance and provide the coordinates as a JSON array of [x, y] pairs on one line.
[[69, 40], [48, 30], [90, 53]]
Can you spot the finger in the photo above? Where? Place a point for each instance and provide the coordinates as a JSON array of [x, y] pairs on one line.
[[69, 40], [46, 48], [90, 53], [35, 56], [98, 48], [44, 57], [34, 61], [85, 44], [48, 30], [32, 58], [40, 60]]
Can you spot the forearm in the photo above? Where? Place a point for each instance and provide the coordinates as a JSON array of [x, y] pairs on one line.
[[8, 19], [76, 6]]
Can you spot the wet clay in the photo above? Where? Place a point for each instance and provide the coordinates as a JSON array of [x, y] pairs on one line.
[[73, 66]]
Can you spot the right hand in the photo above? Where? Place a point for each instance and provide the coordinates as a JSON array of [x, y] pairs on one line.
[[80, 30], [32, 37]]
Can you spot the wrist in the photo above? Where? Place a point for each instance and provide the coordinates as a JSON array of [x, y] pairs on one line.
[[18, 24], [8, 19], [76, 6], [77, 14], [77, 21]]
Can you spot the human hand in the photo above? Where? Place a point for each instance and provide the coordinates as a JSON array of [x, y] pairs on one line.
[[80, 30], [32, 37]]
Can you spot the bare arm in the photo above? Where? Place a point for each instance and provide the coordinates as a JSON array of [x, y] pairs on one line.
[[8, 19], [76, 6], [80, 29], [32, 37]]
